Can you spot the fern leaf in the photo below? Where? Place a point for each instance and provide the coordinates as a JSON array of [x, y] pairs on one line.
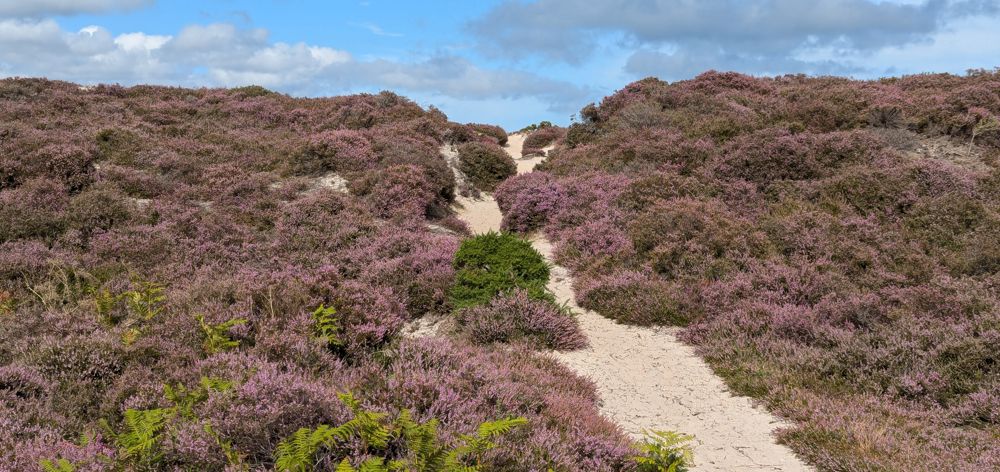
[[667, 451], [375, 464], [492, 429], [345, 466], [61, 465], [138, 441]]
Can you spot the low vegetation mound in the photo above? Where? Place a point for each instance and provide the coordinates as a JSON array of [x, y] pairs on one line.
[[830, 244], [498, 134], [516, 317], [485, 165], [492, 264], [540, 138], [501, 297]]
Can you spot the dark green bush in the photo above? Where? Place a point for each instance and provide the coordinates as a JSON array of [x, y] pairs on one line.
[[251, 91], [495, 263], [647, 191], [33, 210], [485, 165], [98, 208], [118, 146], [493, 131], [581, 133]]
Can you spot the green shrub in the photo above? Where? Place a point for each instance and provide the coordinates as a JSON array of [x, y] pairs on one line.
[[36, 209], [485, 165], [98, 209], [535, 126], [495, 263], [492, 131], [119, 146], [250, 91], [664, 451]]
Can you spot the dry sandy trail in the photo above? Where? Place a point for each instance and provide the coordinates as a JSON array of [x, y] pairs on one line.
[[647, 379]]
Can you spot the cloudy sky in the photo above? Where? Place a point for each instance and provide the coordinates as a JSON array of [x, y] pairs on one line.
[[508, 62]]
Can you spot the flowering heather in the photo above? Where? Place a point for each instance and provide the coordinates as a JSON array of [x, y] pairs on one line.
[[517, 317], [541, 138], [829, 244], [485, 165], [527, 200], [163, 252], [498, 134]]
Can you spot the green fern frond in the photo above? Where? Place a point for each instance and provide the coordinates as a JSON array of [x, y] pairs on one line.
[[352, 403], [476, 444], [61, 465], [215, 384], [104, 305], [327, 326], [664, 451], [141, 432], [492, 429], [146, 301], [216, 336], [297, 452], [345, 466]]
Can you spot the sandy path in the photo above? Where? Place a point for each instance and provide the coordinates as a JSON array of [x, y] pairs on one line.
[[647, 379]]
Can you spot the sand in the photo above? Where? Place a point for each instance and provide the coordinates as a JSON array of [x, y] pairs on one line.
[[647, 379]]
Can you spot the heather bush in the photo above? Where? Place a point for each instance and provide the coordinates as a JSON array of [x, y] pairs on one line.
[[497, 133], [36, 209], [773, 154], [485, 165], [396, 190], [30, 154], [632, 297], [98, 209], [460, 134], [661, 187], [541, 138], [686, 238], [334, 151], [528, 200], [516, 317], [636, 151], [118, 146], [496, 263]]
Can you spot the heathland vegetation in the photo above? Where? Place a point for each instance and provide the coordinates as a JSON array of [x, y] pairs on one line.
[[209, 279], [218, 279], [832, 247]]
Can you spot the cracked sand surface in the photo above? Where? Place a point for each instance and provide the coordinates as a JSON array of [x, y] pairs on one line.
[[647, 379]]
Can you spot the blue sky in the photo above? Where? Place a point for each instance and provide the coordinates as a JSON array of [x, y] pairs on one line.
[[507, 62]]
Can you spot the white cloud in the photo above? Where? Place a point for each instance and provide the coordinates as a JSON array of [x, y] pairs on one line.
[[679, 38], [40, 8], [140, 42], [222, 54]]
